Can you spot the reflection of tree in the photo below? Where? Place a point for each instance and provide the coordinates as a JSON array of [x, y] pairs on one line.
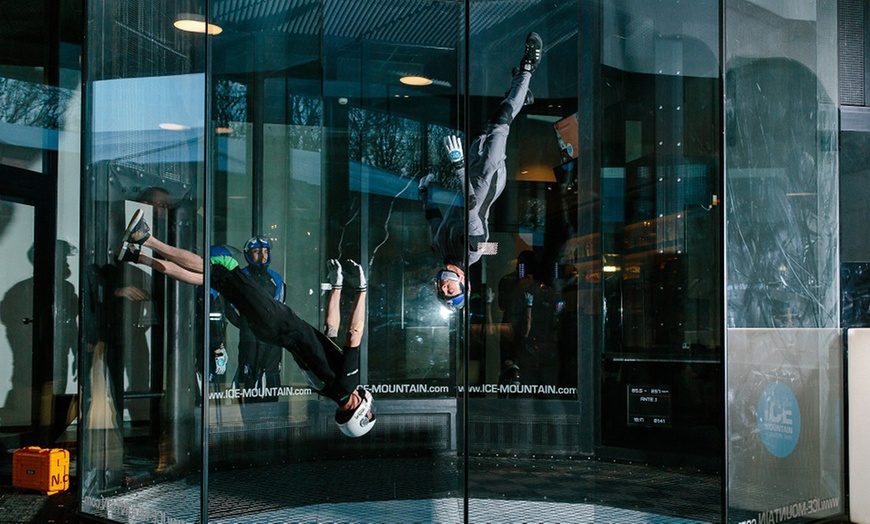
[[230, 104], [395, 144], [386, 142], [305, 119], [782, 254], [304, 115], [36, 105]]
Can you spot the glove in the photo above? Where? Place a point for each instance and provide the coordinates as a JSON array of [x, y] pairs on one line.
[[490, 295], [334, 273], [356, 277], [454, 149], [221, 358], [530, 299]]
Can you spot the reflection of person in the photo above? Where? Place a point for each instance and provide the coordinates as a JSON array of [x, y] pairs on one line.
[[536, 311], [259, 362], [220, 314], [16, 314], [271, 321], [487, 176], [525, 268]]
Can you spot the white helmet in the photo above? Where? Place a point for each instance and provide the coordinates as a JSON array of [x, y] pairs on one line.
[[359, 423]]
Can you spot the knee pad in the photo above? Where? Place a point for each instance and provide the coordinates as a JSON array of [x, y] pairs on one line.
[[503, 116]]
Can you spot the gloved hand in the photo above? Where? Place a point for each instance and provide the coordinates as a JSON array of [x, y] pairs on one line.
[[221, 358], [334, 273], [356, 277], [530, 299], [454, 149]]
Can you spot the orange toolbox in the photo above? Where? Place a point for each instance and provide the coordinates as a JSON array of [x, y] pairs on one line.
[[45, 470]]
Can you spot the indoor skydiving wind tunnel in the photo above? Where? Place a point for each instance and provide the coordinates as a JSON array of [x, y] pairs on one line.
[[580, 373]]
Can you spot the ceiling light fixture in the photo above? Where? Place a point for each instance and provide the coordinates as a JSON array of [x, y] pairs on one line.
[[415, 80], [194, 23], [169, 126]]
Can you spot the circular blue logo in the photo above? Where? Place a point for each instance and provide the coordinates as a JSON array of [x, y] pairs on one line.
[[779, 419], [455, 155]]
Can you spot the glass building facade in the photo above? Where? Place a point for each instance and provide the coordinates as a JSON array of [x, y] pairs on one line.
[[653, 330]]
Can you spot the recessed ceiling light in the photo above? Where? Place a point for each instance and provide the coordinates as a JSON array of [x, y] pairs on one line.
[[169, 126], [414, 80], [194, 23]]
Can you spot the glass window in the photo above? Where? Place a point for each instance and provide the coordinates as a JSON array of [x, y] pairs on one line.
[[660, 222], [782, 260], [143, 371]]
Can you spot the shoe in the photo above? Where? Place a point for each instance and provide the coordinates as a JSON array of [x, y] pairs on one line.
[[532, 55], [129, 252], [137, 230]]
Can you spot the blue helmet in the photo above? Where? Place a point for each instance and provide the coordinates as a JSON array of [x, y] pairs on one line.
[[256, 242]]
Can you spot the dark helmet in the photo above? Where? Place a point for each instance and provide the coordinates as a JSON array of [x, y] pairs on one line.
[[256, 242]]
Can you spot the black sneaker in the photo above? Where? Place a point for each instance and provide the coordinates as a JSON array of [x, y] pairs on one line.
[[532, 55], [137, 230], [129, 252]]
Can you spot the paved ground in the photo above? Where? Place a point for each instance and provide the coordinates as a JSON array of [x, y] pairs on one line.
[[412, 490], [22, 506]]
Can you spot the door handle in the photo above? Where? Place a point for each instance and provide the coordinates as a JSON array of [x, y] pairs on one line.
[[26, 320]]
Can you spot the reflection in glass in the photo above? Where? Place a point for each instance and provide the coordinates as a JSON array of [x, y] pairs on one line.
[[143, 149], [17, 222], [785, 348], [33, 116], [660, 223]]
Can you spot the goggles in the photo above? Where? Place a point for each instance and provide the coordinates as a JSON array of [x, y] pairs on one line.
[[455, 302]]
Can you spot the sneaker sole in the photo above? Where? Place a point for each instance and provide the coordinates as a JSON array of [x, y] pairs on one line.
[[137, 216], [125, 247]]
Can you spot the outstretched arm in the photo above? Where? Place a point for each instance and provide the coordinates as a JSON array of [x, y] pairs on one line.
[[182, 258], [171, 269], [356, 277], [180, 264], [333, 303], [357, 320]]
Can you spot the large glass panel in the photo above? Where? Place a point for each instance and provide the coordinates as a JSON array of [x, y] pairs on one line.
[[140, 436], [660, 222], [522, 348], [318, 150], [783, 342], [39, 168], [605, 290]]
